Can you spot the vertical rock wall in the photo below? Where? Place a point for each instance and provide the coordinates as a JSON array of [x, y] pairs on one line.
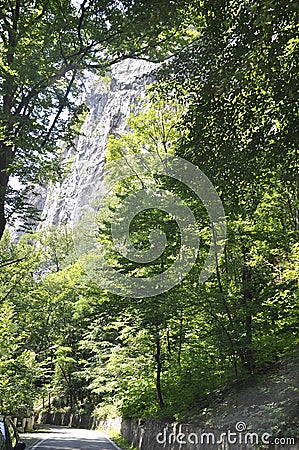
[[110, 103]]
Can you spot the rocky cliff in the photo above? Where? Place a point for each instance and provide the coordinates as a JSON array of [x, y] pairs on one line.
[[110, 101]]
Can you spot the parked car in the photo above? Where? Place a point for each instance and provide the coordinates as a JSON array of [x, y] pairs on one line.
[[9, 436]]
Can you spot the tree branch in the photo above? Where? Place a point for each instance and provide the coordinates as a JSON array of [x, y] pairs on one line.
[[60, 109], [8, 263]]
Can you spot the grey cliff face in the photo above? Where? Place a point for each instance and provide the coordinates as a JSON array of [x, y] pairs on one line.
[[109, 107]]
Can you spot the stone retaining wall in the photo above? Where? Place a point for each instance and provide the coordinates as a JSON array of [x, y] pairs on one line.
[[78, 421], [158, 435], [25, 424]]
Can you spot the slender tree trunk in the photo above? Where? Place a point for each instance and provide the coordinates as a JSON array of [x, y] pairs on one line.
[[248, 360], [168, 342], [233, 339], [159, 370], [180, 340]]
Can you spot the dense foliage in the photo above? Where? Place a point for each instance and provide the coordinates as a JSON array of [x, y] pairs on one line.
[[227, 104]]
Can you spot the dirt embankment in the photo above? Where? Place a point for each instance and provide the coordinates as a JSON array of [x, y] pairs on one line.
[[268, 403]]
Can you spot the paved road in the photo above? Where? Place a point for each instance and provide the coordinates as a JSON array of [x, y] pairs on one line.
[[61, 438]]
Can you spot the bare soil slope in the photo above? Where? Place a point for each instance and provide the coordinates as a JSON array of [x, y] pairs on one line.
[[268, 403]]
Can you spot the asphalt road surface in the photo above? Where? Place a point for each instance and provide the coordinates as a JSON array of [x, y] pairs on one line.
[[61, 438]]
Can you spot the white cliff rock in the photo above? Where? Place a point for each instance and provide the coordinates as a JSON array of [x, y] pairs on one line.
[[109, 107]]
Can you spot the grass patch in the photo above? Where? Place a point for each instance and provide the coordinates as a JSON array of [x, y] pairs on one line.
[[119, 440]]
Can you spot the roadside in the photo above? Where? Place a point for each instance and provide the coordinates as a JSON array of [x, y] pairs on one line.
[[119, 440]]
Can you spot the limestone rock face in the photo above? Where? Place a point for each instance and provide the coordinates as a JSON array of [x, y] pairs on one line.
[[109, 103]]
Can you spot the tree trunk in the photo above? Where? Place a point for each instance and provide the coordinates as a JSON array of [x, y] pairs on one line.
[[180, 340], [248, 360], [7, 119], [159, 370], [6, 157]]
